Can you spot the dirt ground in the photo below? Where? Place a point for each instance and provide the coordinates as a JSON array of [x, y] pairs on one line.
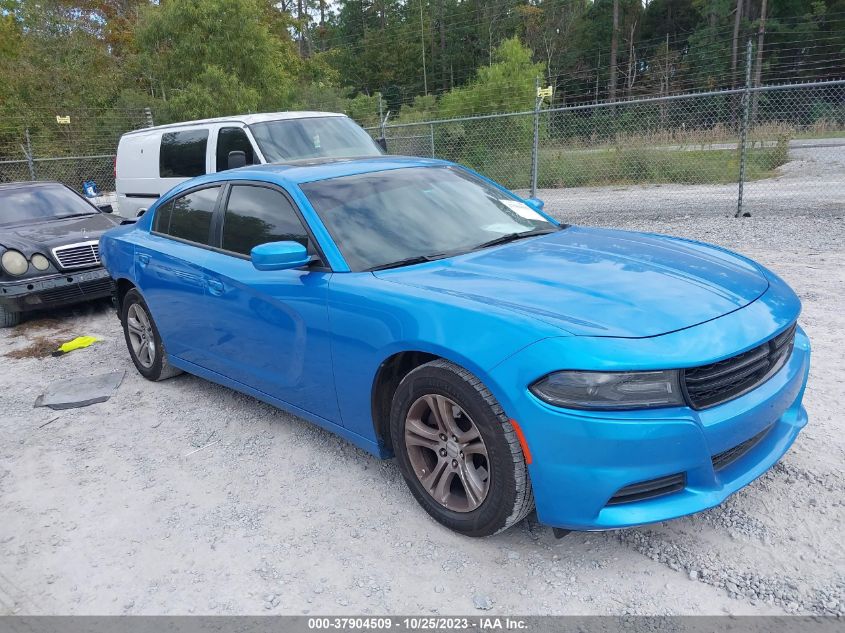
[[186, 497]]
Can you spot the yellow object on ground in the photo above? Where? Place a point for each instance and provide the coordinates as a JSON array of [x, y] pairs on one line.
[[77, 343]]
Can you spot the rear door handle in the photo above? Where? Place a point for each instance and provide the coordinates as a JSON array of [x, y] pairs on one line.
[[143, 259], [215, 287]]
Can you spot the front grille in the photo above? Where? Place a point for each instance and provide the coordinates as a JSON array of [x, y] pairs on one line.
[[728, 457], [713, 384], [73, 292], [649, 489], [78, 255]]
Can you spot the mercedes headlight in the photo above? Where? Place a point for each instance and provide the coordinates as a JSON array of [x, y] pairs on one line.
[[40, 262], [14, 263], [610, 390]]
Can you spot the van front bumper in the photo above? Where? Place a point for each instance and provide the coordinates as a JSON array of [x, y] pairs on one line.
[[55, 290], [599, 470]]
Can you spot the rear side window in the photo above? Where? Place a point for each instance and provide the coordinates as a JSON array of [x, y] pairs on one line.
[[257, 215], [182, 154], [189, 217], [232, 139], [161, 223]]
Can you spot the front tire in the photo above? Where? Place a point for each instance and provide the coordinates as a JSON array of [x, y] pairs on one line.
[[143, 339], [458, 452], [8, 318]]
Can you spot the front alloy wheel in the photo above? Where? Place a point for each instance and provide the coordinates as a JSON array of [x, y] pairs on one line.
[[447, 453], [458, 451]]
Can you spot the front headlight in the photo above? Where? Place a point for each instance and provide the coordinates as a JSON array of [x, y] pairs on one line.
[[14, 263], [40, 262], [610, 390]]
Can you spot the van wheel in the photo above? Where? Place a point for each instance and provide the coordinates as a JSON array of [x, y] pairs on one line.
[[458, 452], [143, 340], [8, 318]]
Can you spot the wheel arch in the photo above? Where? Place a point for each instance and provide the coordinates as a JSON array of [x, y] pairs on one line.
[[390, 373], [122, 286]]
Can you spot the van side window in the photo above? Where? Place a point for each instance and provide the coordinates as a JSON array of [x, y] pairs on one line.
[[257, 215], [232, 139], [182, 154], [190, 216]]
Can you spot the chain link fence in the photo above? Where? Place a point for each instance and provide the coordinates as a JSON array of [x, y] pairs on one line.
[[70, 147], [723, 149], [710, 151]]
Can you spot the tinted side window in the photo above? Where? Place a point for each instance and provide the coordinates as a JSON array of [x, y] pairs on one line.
[[256, 215], [182, 154], [161, 223], [231, 139], [190, 217]]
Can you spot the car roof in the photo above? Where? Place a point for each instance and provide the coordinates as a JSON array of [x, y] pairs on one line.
[[310, 170], [246, 119]]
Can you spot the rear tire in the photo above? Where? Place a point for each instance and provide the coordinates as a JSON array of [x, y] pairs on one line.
[[143, 340], [488, 489], [8, 318]]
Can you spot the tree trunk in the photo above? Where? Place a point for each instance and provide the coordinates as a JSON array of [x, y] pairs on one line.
[[758, 69], [444, 67], [735, 41], [301, 17], [761, 35], [614, 48]]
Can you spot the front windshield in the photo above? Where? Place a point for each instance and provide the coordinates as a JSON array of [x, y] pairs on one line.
[[312, 137], [389, 216], [32, 203]]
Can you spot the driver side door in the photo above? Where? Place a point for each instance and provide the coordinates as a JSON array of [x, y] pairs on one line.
[[270, 329]]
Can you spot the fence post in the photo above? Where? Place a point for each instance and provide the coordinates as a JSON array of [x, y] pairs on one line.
[[431, 125], [743, 133], [28, 152], [535, 150], [148, 115]]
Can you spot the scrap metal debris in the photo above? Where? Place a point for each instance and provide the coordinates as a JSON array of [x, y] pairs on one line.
[[80, 392]]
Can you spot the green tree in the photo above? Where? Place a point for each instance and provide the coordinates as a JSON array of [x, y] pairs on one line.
[[192, 50]]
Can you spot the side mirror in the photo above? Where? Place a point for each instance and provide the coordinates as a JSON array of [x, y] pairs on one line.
[[382, 143], [237, 159], [535, 203], [279, 256], [105, 208]]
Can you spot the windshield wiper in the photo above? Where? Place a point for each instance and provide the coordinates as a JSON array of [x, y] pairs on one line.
[[72, 215], [408, 261], [512, 237]]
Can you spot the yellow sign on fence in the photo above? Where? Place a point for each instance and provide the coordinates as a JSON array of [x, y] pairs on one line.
[[62, 120], [545, 93]]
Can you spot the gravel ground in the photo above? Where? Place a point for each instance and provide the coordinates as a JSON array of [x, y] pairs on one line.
[[186, 497]]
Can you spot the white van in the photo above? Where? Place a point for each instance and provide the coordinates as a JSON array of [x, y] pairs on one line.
[[151, 161]]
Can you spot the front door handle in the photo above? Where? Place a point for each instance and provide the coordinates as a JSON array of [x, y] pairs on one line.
[[215, 287], [143, 259]]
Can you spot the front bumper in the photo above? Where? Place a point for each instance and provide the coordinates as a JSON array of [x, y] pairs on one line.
[[582, 459], [56, 290]]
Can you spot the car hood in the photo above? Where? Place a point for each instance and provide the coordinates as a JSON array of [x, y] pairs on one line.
[[597, 282], [42, 236]]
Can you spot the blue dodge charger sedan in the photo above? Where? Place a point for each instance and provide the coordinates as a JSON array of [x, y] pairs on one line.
[[506, 360]]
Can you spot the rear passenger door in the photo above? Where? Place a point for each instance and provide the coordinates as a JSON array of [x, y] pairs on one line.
[[270, 328], [169, 269]]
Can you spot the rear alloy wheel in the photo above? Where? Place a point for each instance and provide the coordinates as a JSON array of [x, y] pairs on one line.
[[143, 339], [458, 452]]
